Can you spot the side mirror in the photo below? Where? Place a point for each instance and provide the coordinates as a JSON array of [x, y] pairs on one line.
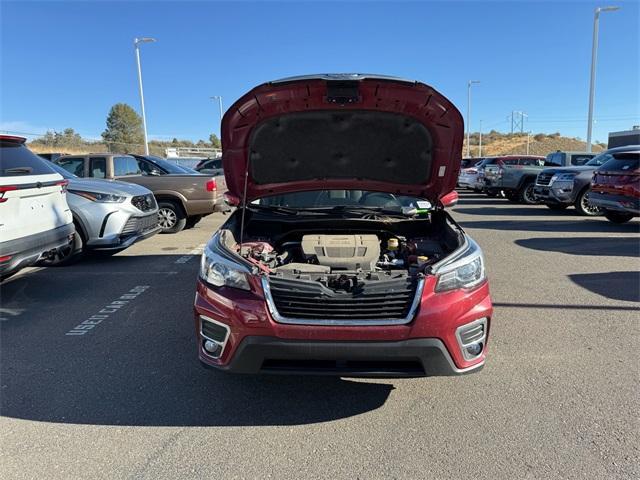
[[450, 199]]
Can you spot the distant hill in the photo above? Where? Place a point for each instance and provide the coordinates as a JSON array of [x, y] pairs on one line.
[[493, 143], [496, 143]]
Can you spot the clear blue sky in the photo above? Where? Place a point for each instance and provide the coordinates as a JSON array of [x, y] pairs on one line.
[[64, 64]]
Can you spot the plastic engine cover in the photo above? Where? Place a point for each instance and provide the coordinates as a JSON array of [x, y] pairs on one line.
[[343, 252]]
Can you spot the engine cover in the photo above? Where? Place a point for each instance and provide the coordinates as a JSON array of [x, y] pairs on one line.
[[343, 252]]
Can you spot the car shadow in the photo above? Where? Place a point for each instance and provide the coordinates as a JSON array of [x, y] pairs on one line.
[[623, 286], [594, 225], [139, 367], [514, 211], [597, 246]]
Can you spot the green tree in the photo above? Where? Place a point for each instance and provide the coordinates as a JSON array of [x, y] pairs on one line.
[[215, 141], [124, 130]]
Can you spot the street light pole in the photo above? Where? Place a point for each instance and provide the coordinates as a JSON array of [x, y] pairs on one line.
[[469, 83], [480, 141], [594, 59], [219, 98], [136, 42]]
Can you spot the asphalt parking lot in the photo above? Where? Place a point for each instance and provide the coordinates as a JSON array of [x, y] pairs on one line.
[[558, 398]]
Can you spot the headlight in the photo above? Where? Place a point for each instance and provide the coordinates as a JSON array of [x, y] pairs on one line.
[[219, 271], [563, 177], [465, 270], [99, 197]]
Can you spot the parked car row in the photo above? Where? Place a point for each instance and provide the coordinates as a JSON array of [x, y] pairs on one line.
[[56, 208], [595, 184]]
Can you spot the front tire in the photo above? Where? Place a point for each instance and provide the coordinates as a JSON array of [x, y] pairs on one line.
[[526, 195], [584, 207], [171, 217], [557, 206], [618, 217]]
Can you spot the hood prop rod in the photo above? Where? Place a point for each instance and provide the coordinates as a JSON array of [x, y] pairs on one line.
[[244, 204]]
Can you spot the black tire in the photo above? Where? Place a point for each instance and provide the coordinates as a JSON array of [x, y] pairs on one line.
[[525, 194], [512, 197], [557, 206], [583, 207], [192, 221], [618, 217], [69, 254], [492, 193], [172, 218]]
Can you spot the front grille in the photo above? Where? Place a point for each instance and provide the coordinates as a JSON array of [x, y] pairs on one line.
[[140, 224], [544, 178], [310, 300], [144, 203]]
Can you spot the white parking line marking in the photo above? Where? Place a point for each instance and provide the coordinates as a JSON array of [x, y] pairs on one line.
[[196, 251], [107, 311]]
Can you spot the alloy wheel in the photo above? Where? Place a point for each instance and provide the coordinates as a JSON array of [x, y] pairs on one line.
[[528, 195], [587, 207]]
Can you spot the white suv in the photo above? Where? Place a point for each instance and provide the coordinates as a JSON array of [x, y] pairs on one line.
[[35, 220]]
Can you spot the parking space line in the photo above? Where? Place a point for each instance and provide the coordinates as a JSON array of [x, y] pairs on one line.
[[195, 252], [111, 308]]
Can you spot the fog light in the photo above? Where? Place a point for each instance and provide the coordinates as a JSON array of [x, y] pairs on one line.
[[212, 348], [474, 349]]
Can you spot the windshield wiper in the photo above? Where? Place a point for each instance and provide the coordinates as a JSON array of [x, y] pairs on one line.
[[274, 209], [359, 209], [18, 171]]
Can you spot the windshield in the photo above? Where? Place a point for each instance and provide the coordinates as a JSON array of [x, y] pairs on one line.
[[602, 159], [170, 167], [65, 173], [342, 198]]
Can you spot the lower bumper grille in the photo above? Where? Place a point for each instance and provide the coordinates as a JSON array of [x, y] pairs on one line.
[[140, 224], [385, 302]]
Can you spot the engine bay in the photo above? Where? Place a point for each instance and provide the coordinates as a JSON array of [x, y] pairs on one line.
[[343, 261]]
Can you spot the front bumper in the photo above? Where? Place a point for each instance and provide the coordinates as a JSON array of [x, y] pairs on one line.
[[426, 346], [26, 251], [125, 241], [555, 193], [615, 203], [406, 358]]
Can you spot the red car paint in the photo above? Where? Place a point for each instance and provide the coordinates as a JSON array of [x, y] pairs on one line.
[[246, 312], [413, 99]]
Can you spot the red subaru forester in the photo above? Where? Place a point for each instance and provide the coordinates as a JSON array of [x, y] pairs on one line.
[[340, 258]]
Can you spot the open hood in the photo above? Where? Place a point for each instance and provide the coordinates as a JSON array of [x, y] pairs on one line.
[[345, 131]]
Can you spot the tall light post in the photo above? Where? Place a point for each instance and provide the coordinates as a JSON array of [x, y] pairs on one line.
[[594, 59], [136, 42], [469, 83], [219, 98]]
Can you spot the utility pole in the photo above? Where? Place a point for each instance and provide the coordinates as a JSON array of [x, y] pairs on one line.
[[528, 138], [480, 141]]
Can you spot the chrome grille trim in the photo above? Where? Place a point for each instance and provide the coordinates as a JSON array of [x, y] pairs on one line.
[[339, 321]]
